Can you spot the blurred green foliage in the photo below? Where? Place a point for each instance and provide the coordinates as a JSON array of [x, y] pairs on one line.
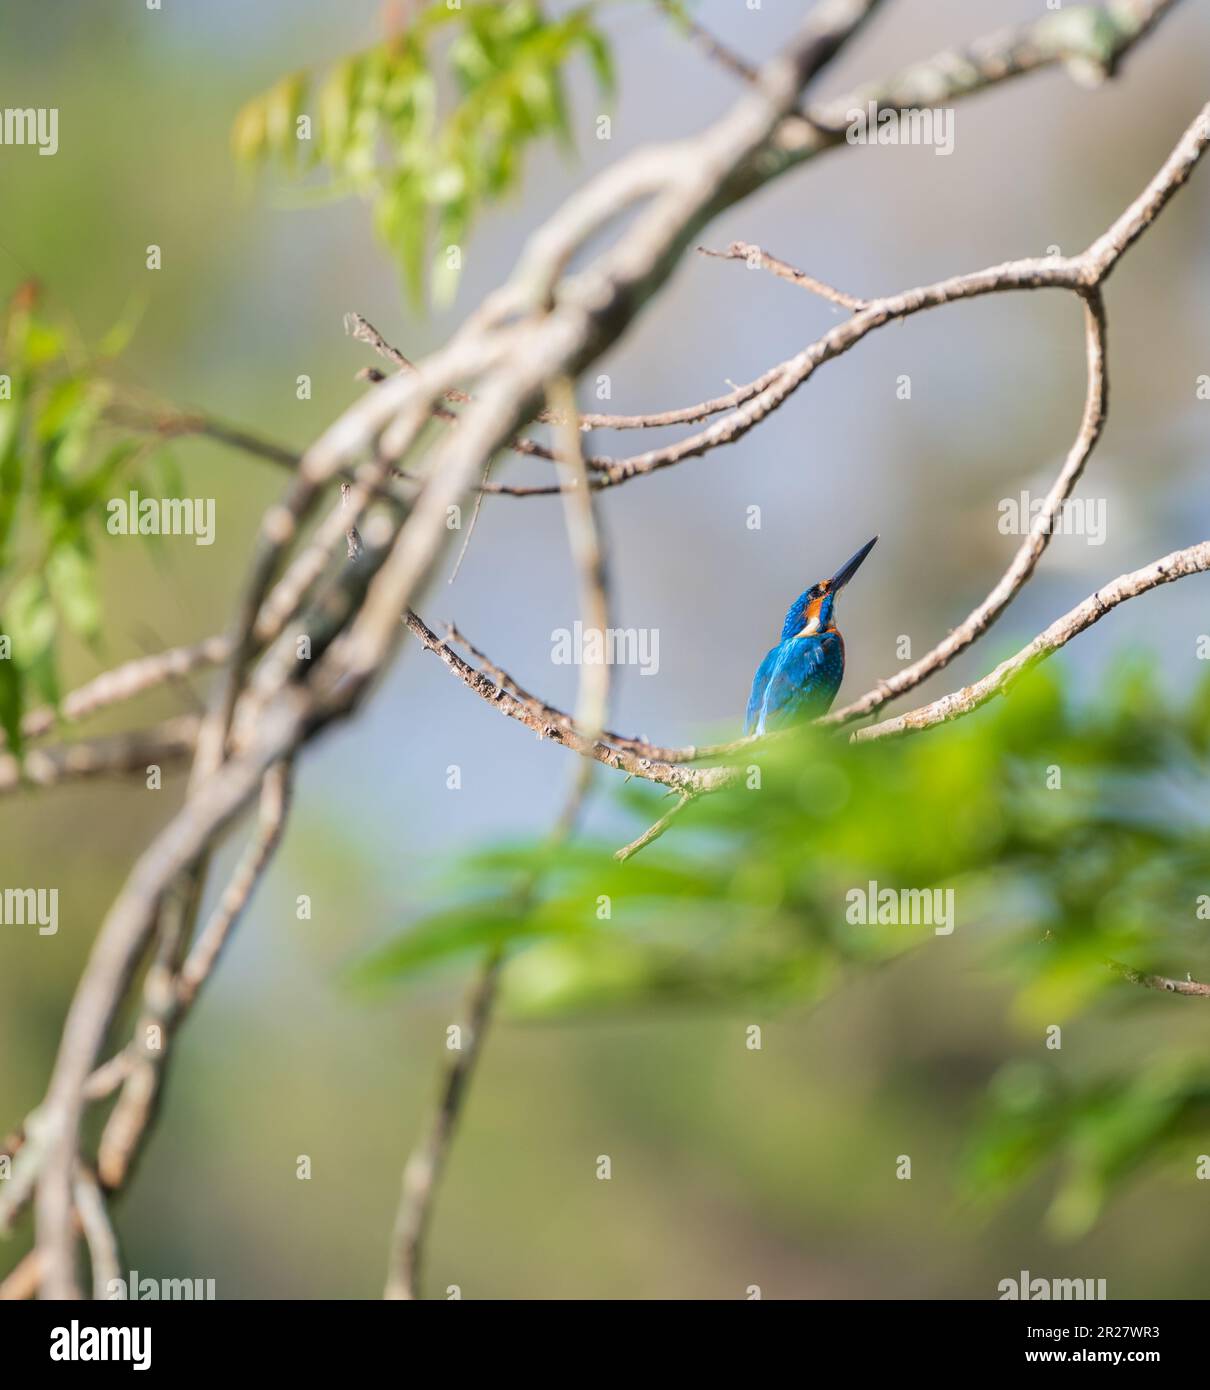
[[1069, 837], [59, 463], [379, 126], [1102, 1129]]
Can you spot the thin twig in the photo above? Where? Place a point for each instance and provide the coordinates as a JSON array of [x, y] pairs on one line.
[[653, 832], [170, 423], [713, 48], [426, 1162], [756, 258]]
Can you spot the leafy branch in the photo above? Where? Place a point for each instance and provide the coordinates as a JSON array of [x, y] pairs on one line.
[[380, 128]]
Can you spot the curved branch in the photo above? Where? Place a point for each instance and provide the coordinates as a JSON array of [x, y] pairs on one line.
[[1029, 552], [1080, 274], [1178, 565]]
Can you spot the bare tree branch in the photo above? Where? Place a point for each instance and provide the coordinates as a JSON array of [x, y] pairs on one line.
[[124, 682], [1030, 550], [1080, 274], [112, 755], [103, 1252], [713, 48], [1180, 563], [653, 832], [171, 423], [755, 258], [168, 998], [550, 723], [1090, 41], [426, 1164], [1194, 989]]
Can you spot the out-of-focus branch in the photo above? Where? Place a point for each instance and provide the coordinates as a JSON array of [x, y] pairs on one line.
[[103, 1252], [163, 744], [365, 332], [714, 49], [21, 1282], [171, 423], [1090, 41], [124, 682], [167, 997], [588, 557], [1194, 989], [426, 1164]]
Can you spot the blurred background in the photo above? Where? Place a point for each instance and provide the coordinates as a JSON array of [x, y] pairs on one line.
[[730, 1168]]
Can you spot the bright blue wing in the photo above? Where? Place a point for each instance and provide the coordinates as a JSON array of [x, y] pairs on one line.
[[760, 683], [798, 679]]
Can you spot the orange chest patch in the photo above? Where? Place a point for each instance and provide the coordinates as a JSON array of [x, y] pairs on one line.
[[812, 626]]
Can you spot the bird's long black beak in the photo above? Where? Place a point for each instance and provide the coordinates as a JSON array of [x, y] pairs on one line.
[[850, 567]]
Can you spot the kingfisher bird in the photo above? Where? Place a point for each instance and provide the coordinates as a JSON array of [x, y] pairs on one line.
[[799, 678]]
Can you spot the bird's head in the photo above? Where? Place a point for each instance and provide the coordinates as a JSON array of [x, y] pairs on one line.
[[813, 611]]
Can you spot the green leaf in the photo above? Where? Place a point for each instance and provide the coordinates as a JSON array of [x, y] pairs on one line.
[[601, 58], [448, 934], [12, 460], [167, 470], [117, 339], [402, 216], [380, 130], [31, 623], [249, 132], [11, 701], [71, 578]]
